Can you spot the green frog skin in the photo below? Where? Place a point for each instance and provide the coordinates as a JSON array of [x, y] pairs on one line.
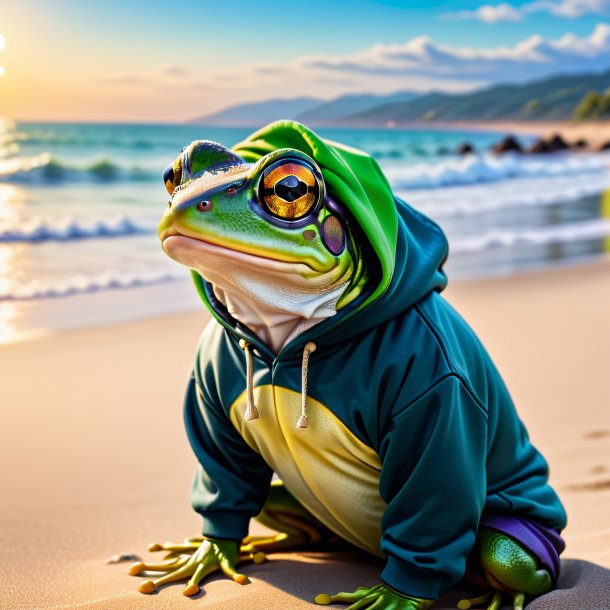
[[333, 361]]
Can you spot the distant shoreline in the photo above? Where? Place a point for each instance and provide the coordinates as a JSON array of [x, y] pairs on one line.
[[595, 133]]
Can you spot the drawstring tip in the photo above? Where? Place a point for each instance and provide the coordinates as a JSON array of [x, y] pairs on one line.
[[303, 422], [310, 346], [252, 414]]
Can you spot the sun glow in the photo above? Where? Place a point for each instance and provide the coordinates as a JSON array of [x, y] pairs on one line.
[[1, 47]]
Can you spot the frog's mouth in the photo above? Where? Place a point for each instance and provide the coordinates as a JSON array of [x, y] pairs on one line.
[[203, 256]]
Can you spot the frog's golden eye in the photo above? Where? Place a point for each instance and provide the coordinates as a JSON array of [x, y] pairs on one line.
[[172, 176], [289, 189]]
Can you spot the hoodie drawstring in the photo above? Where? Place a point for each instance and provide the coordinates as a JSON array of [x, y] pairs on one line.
[[310, 347], [251, 410]]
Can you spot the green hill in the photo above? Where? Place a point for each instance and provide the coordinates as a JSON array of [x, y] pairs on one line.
[[336, 109], [553, 98]]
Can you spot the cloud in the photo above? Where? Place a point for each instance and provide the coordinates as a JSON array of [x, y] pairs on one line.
[[499, 13], [422, 57], [571, 9], [175, 71], [489, 14]]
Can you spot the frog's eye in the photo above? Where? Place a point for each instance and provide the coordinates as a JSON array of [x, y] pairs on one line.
[[172, 175], [231, 191], [290, 189]]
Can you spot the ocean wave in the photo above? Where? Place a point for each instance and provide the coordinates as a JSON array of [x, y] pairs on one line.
[[87, 139], [45, 168], [464, 201], [70, 228], [553, 234], [78, 284], [476, 169]]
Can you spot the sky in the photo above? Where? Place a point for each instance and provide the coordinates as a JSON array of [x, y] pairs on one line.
[[153, 61]]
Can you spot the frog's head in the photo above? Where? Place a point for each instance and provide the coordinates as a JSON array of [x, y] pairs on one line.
[[275, 212]]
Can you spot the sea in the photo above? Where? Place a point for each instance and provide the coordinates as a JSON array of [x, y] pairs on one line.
[[79, 205]]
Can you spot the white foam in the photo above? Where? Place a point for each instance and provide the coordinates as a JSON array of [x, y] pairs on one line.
[[476, 169], [39, 289], [553, 234], [459, 201], [69, 227]]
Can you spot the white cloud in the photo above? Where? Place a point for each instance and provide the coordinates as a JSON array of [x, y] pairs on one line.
[[569, 9], [489, 13], [422, 57]]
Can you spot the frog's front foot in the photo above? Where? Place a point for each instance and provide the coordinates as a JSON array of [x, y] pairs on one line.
[[380, 597], [510, 570], [195, 558]]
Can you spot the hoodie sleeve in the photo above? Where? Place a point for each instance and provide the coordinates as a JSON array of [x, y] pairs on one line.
[[433, 480], [232, 481]]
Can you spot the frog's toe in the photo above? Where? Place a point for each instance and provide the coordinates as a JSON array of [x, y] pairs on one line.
[[518, 601], [188, 545], [272, 544], [138, 567], [467, 604]]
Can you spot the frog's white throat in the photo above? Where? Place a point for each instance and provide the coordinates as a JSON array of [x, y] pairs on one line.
[[276, 300]]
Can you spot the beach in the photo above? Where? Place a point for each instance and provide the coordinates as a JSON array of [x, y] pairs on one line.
[[95, 461]]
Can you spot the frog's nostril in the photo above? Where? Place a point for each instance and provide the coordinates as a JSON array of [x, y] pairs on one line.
[[204, 206]]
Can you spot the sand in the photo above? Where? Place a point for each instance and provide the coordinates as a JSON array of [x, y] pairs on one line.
[[94, 459]]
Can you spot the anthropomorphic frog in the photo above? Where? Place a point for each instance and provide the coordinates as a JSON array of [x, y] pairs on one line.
[[333, 361]]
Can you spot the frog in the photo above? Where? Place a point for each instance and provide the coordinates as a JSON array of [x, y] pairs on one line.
[[336, 396]]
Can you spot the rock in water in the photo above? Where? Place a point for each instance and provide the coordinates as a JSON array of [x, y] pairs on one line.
[[538, 147], [508, 144], [557, 143], [466, 148]]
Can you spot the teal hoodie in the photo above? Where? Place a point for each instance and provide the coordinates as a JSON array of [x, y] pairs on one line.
[[412, 434]]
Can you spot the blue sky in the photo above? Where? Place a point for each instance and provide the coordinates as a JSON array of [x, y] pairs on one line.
[[163, 61]]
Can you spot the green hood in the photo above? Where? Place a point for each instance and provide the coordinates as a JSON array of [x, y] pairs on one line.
[[409, 247]]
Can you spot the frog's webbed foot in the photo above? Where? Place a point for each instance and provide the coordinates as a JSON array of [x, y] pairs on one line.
[[510, 570], [296, 527], [271, 544], [194, 558], [493, 598], [380, 597], [294, 532]]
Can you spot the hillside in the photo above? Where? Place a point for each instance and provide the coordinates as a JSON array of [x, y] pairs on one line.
[[554, 98], [346, 105], [258, 113]]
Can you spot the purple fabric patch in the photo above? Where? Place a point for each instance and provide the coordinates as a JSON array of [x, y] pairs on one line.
[[542, 541]]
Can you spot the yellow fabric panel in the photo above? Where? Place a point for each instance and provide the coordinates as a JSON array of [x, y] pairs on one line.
[[333, 474]]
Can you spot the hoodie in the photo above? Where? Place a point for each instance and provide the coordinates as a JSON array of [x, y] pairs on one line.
[[411, 435]]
